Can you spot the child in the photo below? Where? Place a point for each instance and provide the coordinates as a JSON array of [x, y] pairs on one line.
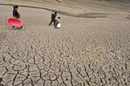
[[15, 12], [57, 23]]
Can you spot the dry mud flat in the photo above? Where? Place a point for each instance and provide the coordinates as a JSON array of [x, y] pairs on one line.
[[86, 52], [63, 61]]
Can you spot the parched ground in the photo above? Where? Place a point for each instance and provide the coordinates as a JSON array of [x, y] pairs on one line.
[[91, 48]]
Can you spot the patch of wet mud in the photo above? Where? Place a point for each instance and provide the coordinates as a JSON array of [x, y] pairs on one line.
[[93, 15]]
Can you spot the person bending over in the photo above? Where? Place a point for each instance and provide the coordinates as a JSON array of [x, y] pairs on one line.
[[15, 12]]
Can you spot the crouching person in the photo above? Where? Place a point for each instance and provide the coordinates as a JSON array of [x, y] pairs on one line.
[[57, 23]]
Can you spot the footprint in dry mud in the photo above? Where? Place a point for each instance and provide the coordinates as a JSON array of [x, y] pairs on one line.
[[128, 17], [1, 80], [3, 35]]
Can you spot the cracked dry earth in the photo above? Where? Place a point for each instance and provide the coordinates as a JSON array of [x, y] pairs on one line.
[[62, 61], [85, 52]]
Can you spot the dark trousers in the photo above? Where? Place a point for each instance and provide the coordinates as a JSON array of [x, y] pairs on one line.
[[52, 22]]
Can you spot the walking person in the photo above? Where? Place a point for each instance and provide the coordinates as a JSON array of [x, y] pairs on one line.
[[15, 11], [53, 18]]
